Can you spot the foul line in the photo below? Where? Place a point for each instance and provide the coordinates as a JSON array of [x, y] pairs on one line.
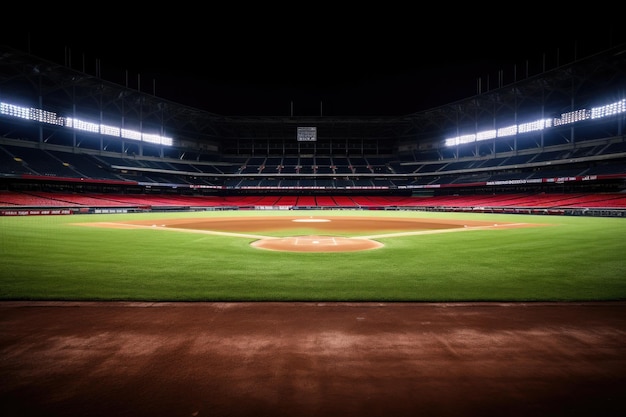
[[176, 229], [430, 232]]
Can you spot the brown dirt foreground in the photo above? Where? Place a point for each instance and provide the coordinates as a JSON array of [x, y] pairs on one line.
[[312, 359]]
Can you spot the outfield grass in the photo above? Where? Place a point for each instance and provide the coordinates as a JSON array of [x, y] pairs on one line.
[[51, 258]]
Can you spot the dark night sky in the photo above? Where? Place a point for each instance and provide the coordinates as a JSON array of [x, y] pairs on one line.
[[305, 69]]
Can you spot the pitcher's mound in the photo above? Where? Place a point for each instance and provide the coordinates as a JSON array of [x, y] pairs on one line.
[[316, 244]]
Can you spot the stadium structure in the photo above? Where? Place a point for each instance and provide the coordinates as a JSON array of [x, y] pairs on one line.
[[547, 142]]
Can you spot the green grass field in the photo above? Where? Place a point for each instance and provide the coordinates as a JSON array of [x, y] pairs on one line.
[[51, 258]]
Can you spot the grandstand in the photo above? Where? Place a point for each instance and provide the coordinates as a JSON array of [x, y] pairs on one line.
[[548, 143]]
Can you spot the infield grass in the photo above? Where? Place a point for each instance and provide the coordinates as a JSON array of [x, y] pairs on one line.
[[574, 259]]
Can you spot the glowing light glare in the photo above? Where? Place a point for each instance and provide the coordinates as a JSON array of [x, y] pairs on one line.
[[609, 109], [486, 134], [151, 138], [82, 125], [14, 111], [30, 113], [572, 117], [507, 131], [146, 137], [45, 116], [110, 130], [459, 140], [130, 134], [534, 126], [42, 116]]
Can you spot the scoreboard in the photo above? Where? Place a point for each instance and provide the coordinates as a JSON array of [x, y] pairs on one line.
[[307, 134]]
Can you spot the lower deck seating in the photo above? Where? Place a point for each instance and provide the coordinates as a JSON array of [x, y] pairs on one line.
[[615, 200]]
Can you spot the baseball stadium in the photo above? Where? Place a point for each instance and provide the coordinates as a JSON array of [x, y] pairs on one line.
[[162, 260]]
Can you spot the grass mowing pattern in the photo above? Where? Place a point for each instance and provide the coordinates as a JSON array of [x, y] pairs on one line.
[[575, 259]]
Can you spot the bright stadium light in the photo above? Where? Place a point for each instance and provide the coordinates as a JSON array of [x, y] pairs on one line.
[[507, 131], [609, 110], [42, 116], [541, 124], [534, 126], [572, 117], [486, 134], [29, 113]]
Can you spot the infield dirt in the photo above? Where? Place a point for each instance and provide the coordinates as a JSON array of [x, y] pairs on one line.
[[324, 230]]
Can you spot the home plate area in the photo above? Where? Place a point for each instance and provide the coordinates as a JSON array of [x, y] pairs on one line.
[[316, 244]]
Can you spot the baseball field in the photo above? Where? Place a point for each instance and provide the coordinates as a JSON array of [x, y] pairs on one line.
[[313, 256], [280, 312]]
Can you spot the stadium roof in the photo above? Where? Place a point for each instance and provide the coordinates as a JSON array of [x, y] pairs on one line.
[[338, 68]]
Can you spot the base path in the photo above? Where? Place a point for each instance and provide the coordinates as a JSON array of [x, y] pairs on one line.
[[81, 359]]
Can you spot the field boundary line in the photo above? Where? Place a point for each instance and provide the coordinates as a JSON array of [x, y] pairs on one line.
[[174, 229]]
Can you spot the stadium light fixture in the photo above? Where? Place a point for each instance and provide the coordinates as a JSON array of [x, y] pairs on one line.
[[43, 116], [575, 116]]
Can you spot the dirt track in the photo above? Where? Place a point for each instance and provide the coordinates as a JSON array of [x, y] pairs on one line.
[[312, 359]]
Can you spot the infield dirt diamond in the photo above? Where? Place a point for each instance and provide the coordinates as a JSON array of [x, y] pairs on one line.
[[255, 226]]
